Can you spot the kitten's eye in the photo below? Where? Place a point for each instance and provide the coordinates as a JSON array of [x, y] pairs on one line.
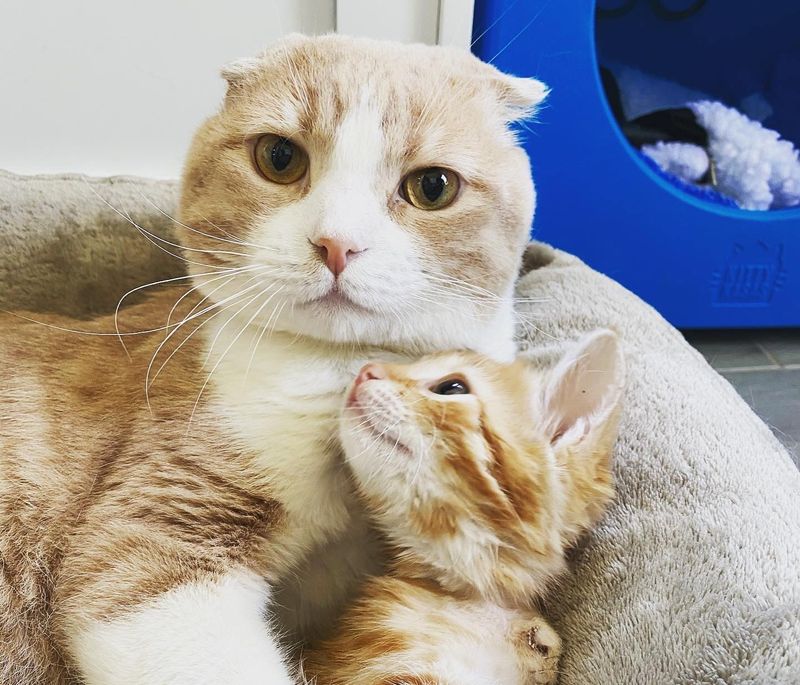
[[452, 386], [432, 188], [279, 159]]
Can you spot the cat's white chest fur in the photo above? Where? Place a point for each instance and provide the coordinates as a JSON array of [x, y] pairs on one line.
[[283, 403], [282, 400]]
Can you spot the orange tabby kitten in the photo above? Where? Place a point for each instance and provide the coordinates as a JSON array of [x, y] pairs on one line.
[[481, 474]]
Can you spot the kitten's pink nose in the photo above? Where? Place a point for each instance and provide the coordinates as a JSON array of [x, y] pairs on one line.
[[336, 253], [370, 372]]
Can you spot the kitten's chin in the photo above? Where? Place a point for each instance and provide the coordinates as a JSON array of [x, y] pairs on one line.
[[376, 453]]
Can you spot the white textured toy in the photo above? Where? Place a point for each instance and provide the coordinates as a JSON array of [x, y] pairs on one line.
[[754, 166]]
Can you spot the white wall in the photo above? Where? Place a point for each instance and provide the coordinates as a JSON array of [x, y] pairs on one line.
[[407, 20], [118, 86], [440, 22]]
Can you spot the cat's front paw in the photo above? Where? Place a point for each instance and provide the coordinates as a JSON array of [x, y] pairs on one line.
[[540, 650]]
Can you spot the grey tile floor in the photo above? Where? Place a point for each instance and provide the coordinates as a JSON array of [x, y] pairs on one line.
[[764, 366]]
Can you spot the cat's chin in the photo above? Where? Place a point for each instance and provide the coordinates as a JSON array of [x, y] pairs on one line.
[[415, 333], [334, 302], [335, 320]]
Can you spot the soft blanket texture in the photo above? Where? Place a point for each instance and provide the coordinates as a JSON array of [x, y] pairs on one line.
[[66, 246], [694, 575]]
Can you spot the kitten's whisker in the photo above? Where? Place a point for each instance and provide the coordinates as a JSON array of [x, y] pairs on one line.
[[394, 447], [374, 439], [422, 452], [369, 416]]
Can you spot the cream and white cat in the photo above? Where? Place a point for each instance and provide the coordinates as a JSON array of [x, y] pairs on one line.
[[481, 475], [351, 199]]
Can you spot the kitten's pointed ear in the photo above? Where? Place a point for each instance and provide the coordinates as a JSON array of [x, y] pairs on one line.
[[520, 97], [582, 393]]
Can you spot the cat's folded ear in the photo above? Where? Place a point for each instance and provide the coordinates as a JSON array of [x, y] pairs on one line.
[[520, 97], [235, 73], [239, 72], [581, 394]]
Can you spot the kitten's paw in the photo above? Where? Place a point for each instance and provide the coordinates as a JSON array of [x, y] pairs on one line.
[[540, 649]]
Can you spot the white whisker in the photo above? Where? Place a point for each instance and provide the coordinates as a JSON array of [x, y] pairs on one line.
[[261, 335], [231, 239], [229, 347], [148, 235], [189, 317], [163, 282]]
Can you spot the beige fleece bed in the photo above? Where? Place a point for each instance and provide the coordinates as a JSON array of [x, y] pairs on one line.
[[694, 575]]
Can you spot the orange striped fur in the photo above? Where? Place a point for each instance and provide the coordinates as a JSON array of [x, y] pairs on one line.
[[481, 495]]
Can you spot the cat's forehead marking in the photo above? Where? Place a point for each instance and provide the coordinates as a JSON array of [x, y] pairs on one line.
[[359, 138], [411, 89]]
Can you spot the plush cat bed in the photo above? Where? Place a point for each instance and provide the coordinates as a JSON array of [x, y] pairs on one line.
[[694, 575]]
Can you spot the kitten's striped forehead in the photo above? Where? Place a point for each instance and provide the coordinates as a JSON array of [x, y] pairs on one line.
[[498, 384]]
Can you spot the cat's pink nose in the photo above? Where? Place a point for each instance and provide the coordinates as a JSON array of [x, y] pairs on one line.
[[336, 253], [370, 372]]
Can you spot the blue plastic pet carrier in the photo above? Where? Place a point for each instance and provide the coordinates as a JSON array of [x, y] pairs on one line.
[[702, 264]]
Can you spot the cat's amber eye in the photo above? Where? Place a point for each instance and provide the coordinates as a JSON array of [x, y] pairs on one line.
[[431, 188], [279, 159], [451, 386]]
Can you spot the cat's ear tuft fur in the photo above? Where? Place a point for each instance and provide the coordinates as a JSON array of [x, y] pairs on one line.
[[236, 73], [239, 72], [519, 96], [582, 393]]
